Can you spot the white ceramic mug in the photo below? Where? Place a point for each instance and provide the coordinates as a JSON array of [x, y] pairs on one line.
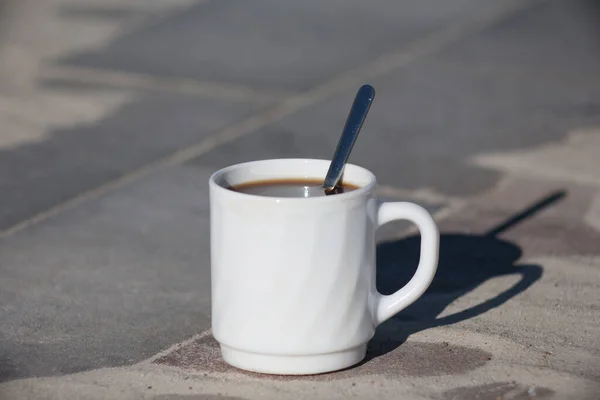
[[293, 279]]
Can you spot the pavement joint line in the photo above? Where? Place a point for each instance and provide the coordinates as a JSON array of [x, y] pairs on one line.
[[449, 211], [140, 81], [558, 176], [419, 48], [439, 215], [427, 195], [176, 346]]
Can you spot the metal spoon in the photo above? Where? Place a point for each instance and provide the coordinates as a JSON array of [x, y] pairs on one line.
[[356, 118]]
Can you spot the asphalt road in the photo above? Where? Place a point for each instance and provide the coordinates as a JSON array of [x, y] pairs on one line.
[[116, 113]]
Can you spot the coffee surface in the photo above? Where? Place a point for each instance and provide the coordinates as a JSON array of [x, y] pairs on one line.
[[289, 188]]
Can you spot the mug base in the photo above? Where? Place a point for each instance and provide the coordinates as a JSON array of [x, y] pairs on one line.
[[293, 365]]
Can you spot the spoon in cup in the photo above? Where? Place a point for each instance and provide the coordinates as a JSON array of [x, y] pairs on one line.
[[354, 122]]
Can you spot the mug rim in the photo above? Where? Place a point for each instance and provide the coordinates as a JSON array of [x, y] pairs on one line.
[[361, 191]]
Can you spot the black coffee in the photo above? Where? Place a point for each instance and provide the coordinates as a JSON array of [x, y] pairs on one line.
[[290, 188]]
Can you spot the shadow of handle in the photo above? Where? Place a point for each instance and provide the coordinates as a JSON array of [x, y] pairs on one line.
[[530, 274]]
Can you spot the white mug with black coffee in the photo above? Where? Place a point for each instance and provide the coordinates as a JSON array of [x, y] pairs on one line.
[[293, 271]]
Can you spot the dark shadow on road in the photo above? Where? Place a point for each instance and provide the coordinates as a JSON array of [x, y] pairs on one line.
[[466, 261]]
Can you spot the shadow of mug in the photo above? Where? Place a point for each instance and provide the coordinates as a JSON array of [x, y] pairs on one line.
[[466, 262]]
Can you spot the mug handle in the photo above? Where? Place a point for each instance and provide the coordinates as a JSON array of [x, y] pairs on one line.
[[386, 306]]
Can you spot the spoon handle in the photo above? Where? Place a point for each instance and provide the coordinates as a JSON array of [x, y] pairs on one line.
[[356, 118]]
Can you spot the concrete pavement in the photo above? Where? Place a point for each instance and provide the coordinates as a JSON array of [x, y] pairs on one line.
[[115, 113]]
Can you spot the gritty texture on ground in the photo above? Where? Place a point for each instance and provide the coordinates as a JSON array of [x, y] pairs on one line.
[[114, 114]]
